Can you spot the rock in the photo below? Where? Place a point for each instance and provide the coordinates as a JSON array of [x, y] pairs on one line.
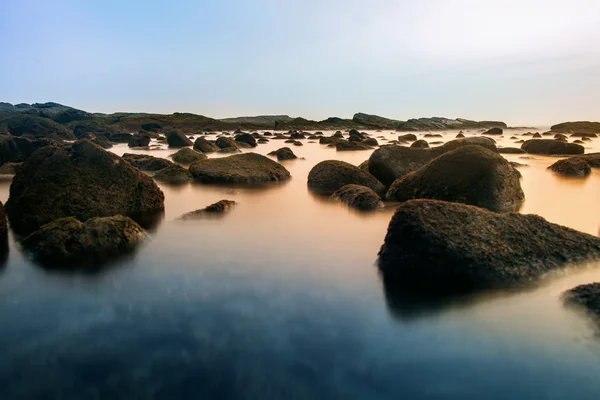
[[120, 137], [351, 146], [9, 169], [139, 141], [290, 141], [551, 147], [217, 209], [584, 135], [579, 126], [493, 131], [203, 145], [460, 136], [187, 156], [560, 136], [173, 174], [161, 139], [330, 140], [297, 135], [593, 159], [144, 162], [433, 135], [225, 142], [3, 233], [420, 144], [177, 139], [282, 154], [370, 142], [578, 142], [537, 136], [328, 176], [229, 150], [409, 137], [338, 135], [68, 242], [358, 197], [573, 167], [37, 127], [297, 143], [19, 149], [83, 181], [247, 168], [510, 150], [439, 247], [470, 174], [391, 162], [102, 141], [247, 139], [584, 296]]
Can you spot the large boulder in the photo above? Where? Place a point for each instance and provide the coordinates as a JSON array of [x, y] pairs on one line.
[[391, 162], [444, 248], [173, 174], [18, 149], [225, 143], [573, 167], [359, 197], [586, 297], [247, 139], [187, 156], [82, 181], [282, 154], [177, 139], [551, 147], [328, 176], [470, 175], [248, 168], [217, 209], [144, 162], [139, 141], [68, 242], [102, 141], [203, 145]]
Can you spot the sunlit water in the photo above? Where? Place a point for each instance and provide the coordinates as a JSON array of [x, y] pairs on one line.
[[281, 299]]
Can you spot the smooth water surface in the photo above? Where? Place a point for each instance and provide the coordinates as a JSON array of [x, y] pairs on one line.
[[281, 299]]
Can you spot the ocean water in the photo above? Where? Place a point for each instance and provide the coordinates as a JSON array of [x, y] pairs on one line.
[[281, 298]]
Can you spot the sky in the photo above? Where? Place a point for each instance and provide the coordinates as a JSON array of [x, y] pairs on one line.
[[519, 61]]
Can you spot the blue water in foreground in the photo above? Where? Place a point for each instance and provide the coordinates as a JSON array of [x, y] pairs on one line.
[[281, 299]]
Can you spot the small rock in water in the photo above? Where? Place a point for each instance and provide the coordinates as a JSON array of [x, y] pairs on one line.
[[584, 296], [328, 176], [358, 197], [173, 174], [217, 209], [573, 167], [282, 154], [187, 156]]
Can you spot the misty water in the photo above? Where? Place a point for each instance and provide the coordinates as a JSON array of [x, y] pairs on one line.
[[281, 298]]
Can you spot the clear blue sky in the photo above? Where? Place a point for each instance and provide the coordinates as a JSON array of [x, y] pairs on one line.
[[522, 61]]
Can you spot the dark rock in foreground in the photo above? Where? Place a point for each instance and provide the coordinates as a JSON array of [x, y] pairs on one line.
[[328, 176], [68, 242], [83, 181], [358, 197], [284, 153], [177, 139], [217, 209], [585, 296], [551, 147], [470, 174], [144, 162], [187, 156], [574, 167], [441, 247], [248, 168]]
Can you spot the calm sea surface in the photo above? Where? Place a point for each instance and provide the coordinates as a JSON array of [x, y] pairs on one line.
[[281, 299]]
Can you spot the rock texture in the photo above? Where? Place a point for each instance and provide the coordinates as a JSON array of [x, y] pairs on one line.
[[328, 176], [217, 209], [284, 153], [144, 162], [584, 296], [573, 167], [83, 181], [187, 156], [248, 168], [203, 145], [177, 139], [470, 174], [173, 174], [359, 197], [441, 247], [551, 147]]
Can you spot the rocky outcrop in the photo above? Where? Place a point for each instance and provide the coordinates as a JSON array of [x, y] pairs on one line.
[[579, 126], [494, 131], [551, 147], [217, 209], [247, 168], [83, 181], [470, 174], [328, 176], [19, 149], [102, 141], [177, 139], [173, 174], [359, 197], [68, 242], [440, 123], [573, 167], [203, 145], [144, 162], [37, 127], [345, 145], [440, 247], [409, 137], [586, 297], [283, 154], [187, 156], [375, 121]]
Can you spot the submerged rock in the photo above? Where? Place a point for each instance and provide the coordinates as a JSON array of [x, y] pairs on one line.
[[351, 146], [247, 168], [102, 141], [83, 181], [144, 162], [177, 139], [358, 197], [282, 154], [214, 210], [441, 247], [67, 241], [471, 175], [187, 156], [225, 142], [574, 167], [585, 296], [173, 174], [328, 176], [551, 147], [203, 145]]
